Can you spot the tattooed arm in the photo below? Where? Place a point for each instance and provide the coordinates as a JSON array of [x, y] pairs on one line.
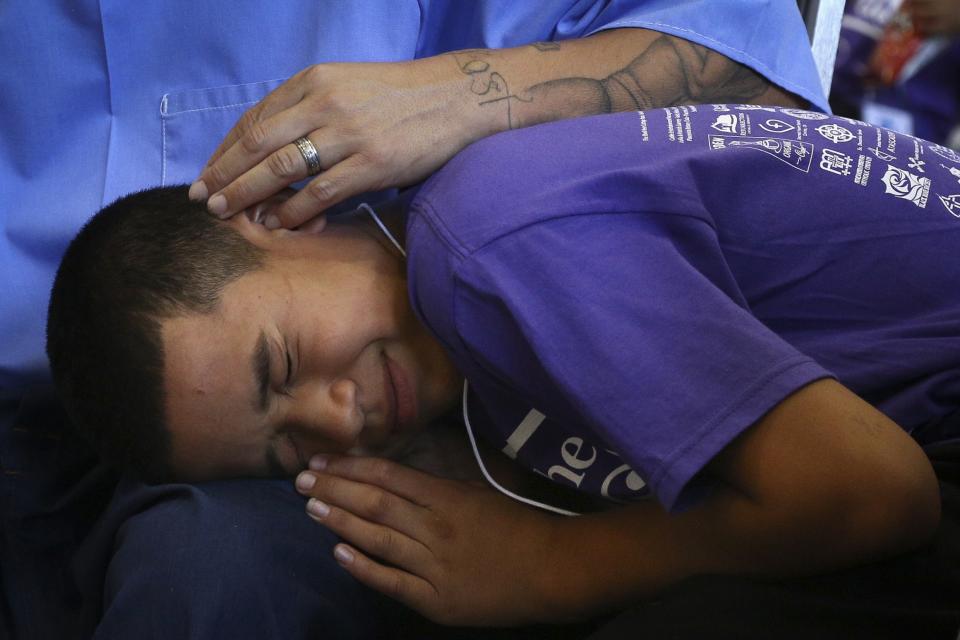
[[381, 125], [664, 71]]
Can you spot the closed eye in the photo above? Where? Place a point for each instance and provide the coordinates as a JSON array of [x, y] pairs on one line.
[[286, 381]]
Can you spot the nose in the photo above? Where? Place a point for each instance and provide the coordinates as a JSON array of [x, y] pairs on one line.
[[329, 413]]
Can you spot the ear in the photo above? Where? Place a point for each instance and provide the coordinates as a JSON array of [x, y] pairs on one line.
[[258, 212]]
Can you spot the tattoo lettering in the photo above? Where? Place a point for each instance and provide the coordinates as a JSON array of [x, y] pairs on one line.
[[486, 82], [669, 71]]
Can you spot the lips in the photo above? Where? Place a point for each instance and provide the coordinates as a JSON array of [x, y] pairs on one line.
[[400, 397]]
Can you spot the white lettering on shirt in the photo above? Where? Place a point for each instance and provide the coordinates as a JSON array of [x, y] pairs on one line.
[[527, 427]]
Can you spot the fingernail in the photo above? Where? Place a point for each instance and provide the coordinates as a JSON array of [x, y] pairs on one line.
[[318, 463], [217, 205], [317, 509], [305, 481], [271, 222], [198, 191], [342, 555]]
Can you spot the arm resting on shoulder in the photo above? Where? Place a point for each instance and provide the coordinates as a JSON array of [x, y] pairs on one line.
[[824, 481], [616, 70], [381, 125]]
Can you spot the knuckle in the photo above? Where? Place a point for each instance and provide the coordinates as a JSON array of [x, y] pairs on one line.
[[216, 176], [350, 127], [248, 120], [381, 505], [369, 159], [384, 542], [397, 588], [382, 472], [254, 137], [239, 192], [375, 165], [338, 103], [283, 164], [322, 190], [314, 74]]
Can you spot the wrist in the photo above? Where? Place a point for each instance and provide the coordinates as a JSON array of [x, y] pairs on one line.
[[451, 82], [561, 580], [481, 93]]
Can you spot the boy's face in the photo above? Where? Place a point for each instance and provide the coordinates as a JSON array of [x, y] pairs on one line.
[[317, 352]]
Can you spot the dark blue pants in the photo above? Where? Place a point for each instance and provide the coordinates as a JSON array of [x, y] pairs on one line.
[[83, 556], [227, 559]]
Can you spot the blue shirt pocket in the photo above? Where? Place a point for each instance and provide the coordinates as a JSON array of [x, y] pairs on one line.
[[194, 122]]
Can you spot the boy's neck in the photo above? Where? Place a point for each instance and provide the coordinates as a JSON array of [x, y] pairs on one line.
[[393, 214]]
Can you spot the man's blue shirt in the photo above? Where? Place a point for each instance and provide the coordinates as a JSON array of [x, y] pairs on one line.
[[98, 99]]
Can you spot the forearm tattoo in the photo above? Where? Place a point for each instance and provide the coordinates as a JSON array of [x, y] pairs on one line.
[[669, 71], [486, 82]]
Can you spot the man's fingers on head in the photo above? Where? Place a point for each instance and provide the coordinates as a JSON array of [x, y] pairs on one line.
[[280, 169], [331, 187], [260, 140], [286, 95], [249, 117], [214, 174]]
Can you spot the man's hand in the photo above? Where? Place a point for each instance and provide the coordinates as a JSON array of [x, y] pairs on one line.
[[384, 125], [374, 126], [456, 552]]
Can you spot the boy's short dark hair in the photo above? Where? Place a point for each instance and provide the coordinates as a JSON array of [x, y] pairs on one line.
[[147, 257]]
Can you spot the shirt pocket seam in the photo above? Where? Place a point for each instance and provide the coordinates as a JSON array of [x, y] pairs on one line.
[[164, 116], [214, 96]]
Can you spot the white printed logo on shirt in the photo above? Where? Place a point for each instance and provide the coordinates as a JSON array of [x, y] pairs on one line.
[[835, 162], [754, 107], [953, 171], [835, 133], [945, 152], [906, 185], [915, 163], [774, 125], [726, 123], [804, 115], [882, 155], [793, 152], [952, 204]]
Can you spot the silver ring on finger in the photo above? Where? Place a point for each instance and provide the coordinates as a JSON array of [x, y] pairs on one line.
[[310, 155]]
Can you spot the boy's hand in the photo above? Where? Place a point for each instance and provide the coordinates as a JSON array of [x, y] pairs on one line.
[[456, 552], [822, 482]]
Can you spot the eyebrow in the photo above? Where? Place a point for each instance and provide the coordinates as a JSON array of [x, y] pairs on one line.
[[261, 372]]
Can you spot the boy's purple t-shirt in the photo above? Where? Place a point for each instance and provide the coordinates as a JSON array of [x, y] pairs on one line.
[[626, 294]]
